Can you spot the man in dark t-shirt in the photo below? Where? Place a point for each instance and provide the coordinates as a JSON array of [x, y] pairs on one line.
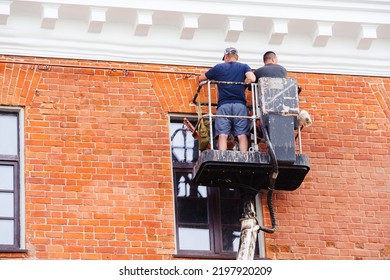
[[231, 98], [271, 67]]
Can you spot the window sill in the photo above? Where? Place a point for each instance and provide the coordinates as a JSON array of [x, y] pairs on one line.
[[211, 257], [203, 256], [12, 252]]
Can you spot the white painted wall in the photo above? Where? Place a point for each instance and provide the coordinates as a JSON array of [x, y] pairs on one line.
[[340, 37]]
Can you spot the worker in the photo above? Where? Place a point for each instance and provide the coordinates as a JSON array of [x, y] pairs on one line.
[[231, 98], [271, 68]]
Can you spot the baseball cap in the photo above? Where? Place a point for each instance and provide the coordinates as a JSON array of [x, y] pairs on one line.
[[229, 51]]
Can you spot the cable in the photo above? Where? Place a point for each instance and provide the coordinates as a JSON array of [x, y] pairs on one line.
[[44, 65], [272, 180]]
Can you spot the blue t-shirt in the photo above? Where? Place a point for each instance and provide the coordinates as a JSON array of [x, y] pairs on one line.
[[229, 72]]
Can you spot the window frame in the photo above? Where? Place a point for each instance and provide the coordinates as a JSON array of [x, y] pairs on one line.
[[213, 208], [214, 225], [17, 162]]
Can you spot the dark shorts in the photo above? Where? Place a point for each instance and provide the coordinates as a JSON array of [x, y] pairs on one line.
[[235, 126]]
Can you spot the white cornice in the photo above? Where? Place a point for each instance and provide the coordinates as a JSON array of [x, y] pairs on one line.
[[340, 37]]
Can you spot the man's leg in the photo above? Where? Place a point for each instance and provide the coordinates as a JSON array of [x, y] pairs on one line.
[[243, 143], [222, 142], [241, 127]]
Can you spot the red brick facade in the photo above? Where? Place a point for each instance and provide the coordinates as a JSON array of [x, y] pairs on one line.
[[98, 168]]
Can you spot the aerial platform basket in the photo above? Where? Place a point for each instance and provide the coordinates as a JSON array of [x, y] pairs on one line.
[[216, 168], [275, 115], [275, 105]]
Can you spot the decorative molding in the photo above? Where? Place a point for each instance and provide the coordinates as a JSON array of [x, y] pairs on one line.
[[97, 19], [366, 36], [235, 26], [322, 33], [278, 30], [143, 23], [5, 11], [49, 15], [332, 36], [189, 26]]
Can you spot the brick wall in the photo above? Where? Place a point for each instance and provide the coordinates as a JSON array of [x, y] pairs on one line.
[[342, 209], [98, 173]]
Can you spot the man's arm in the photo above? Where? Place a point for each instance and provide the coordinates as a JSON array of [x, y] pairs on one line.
[[202, 78], [285, 72], [250, 76]]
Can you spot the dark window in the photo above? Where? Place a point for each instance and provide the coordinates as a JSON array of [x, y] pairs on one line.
[[9, 182], [207, 219]]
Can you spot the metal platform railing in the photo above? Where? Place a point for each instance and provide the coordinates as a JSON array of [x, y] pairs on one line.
[[256, 111]]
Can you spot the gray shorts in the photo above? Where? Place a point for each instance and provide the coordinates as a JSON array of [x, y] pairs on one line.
[[235, 126]]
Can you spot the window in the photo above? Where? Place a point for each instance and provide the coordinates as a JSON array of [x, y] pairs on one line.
[[207, 219], [10, 238]]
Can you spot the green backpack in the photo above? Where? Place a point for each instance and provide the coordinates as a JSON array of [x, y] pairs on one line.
[[204, 134]]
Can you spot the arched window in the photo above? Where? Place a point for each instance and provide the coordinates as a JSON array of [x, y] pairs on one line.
[[207, 219]]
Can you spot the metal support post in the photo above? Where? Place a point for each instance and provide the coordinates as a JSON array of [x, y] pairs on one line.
[[249, 229]]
